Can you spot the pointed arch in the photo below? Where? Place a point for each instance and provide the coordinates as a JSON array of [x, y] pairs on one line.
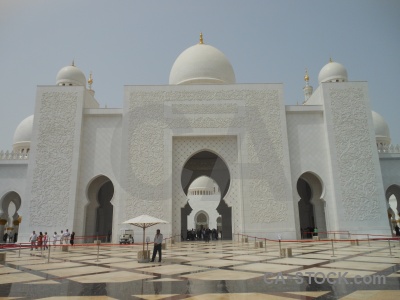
[[99, 210]]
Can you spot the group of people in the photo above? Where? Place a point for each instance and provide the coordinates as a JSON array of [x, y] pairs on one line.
[[40, 241], [10, 237], [202, 234]]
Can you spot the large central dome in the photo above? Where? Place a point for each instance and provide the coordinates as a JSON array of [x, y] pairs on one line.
[[202, 64]]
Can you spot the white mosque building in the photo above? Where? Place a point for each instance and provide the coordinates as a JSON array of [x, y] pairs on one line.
[[275, 168]]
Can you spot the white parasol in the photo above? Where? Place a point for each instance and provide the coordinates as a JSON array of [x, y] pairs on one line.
[[144, 221]]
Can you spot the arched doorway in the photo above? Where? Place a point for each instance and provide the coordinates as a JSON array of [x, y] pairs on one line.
[[201, 220], [203, 197], [209, 164], [393, 206], [99, 211], [311, 205], [10, 204]]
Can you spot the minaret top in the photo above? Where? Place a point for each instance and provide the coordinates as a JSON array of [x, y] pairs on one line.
[[90, 80], [308, 89], [306, 77]]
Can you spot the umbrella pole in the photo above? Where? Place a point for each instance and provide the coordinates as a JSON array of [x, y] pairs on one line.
[[144, 230]]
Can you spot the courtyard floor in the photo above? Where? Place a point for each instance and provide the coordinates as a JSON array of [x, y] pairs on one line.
[[198, 270]]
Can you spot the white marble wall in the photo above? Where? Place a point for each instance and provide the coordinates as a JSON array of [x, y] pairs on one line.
[[356, 172], [54, 160], [100, 156], [255, 114]]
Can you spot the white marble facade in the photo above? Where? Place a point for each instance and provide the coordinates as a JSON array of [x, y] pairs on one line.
[[279, 168]]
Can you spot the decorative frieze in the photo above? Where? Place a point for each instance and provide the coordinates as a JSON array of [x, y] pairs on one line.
[[350, 115], [51, 176]]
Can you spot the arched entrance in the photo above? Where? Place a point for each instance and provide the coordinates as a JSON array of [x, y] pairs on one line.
[[201, 220], [311, 205], [99, 211], [10, 204], [207, 163], [393, 206]]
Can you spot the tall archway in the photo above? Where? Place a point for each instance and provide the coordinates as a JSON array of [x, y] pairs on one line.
[[207, 163], [10, 204], [311, 205], [99, 211], [393, 205]]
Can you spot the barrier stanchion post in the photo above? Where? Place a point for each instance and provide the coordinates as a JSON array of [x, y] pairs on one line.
[[333, 249], [48, 257], [265, 244], [390, 248], [98, 249], [19, 252], [334, 235], [369, 245], [280, 249]]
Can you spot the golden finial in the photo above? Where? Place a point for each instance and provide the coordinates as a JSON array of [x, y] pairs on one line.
[[201, 38], [330, 59], [306, 77], [90, 80], [73, 63]]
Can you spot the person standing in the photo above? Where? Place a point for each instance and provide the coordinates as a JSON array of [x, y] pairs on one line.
[[61, 237], [40, 240], [55, 238], [71, 240], [45, 240], [5, 237], [158, 239], [315, 231], [33, 239], [66, 236]]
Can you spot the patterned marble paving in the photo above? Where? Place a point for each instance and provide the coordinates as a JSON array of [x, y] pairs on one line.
[[223, 275], [215, 263], [358, 266], [266, 267], [67, 272], [195, 270], [172, 269], [119, 276], [373, 295]]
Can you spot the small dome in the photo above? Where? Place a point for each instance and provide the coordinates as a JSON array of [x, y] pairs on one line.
[[202, 64], [23, 134], [332, 72], [70, 75], [203, 182], [203, 185], [382, 133]]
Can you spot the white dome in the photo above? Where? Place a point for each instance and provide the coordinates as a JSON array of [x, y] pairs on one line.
[[23, 135], [332, 72], [382, 133], [70, 75], [203, 183], [202, 64]]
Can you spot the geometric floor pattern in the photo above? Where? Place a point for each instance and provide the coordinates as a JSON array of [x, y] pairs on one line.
[[198, 270]]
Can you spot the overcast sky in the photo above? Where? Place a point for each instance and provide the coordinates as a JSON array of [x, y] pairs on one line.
[[137, 42]]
